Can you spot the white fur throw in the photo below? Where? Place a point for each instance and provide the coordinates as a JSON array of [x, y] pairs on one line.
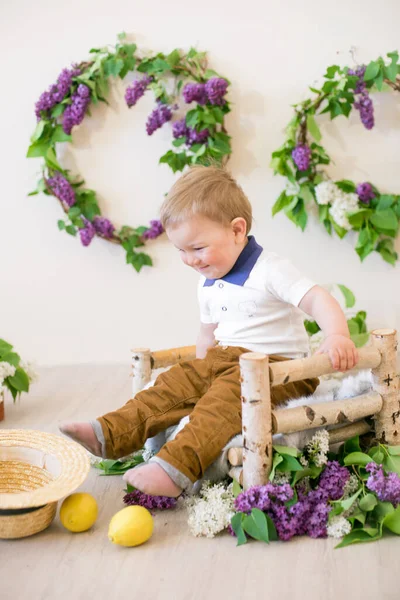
[[328, 391]]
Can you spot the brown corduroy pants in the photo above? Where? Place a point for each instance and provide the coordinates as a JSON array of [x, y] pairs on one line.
[[206, 389]]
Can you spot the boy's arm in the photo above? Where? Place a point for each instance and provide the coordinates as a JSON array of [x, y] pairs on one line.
[[205, 339], [327, 313]]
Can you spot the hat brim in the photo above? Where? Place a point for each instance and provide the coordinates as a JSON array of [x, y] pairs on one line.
[[24, 451]]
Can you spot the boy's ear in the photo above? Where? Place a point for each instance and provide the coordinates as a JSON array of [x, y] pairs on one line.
[[239, 228]]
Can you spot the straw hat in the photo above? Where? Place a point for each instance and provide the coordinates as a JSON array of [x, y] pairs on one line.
[[36, 470]]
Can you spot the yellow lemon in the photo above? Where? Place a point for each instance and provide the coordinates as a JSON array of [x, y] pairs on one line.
[[131, 526], [78, 512]]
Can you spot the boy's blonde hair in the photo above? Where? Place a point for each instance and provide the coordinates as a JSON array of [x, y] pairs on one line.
[[207, 191]]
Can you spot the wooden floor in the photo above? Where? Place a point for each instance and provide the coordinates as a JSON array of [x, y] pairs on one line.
[[173, 565]]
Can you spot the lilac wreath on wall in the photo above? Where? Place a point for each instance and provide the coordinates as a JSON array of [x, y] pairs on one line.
[[197, 138]]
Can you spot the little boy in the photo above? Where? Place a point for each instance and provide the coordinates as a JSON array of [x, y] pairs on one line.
[[249, 300]]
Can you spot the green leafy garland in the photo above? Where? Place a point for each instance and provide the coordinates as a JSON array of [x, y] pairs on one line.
[[342, 205], [202, 137]]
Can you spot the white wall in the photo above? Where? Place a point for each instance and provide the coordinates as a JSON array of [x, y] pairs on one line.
[[62, 303]]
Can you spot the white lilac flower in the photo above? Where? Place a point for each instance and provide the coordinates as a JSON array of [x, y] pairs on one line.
[[211, 511], [6, 370], [342, 206], [318, 447], [351, 486], [326, 192], [281, 478], [338, 527], [303, 461], [30, 370]]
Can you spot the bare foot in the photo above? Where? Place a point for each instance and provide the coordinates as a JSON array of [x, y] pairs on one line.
[[83, 434], [153, 480]]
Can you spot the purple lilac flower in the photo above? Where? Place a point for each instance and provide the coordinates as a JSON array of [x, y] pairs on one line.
[[160, 115], [103, 226], [262, 496], [137, 90], [87, 233], [179, 128], [155, 230], [387, 488], [365, 192], [151, 502], [75, 112], [301, 156], [195, 92], [62, 189], [363, 103], [366, 108], [309, 515], [56, 92], [197, 137], [216, 88], [332, 480]]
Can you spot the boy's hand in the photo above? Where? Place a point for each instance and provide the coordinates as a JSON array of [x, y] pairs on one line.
[[342, 351]]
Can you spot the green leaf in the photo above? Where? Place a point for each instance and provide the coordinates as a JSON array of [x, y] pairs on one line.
[[176, 161], [371, 71], [311, 327], [179, 141], [368, 502], [352, 445], [306, 193], [61, 225], [357, 458], [358, 536], [385, 201], [236, 524], [71, 230], [37, 134], [19, 381], [58, 110], [173, 58], [236, 488], [385, 220], [5, 347], [121, 36], [392, 463], [11, 357], [275, 462], [51, 160], [376, 454], [312, 472], [287, 450], [256, 526], [382, 509], [341, 231], [313, 127], [60, 136], [359, 217], [346, 185], [348, 503], [38, 149], [360, 339], [113, 66], [280, 204], [331, 71], [288, 464], [391, 71], [393, 450], [392, 521], [348, 295]]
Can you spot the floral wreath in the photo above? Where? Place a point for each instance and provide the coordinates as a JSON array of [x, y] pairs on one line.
[[342, 205], [199, 137]]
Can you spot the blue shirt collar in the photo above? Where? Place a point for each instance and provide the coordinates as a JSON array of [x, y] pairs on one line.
[[242, 268]]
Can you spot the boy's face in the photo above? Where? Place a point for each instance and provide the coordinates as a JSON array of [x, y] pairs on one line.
[[209, 247]]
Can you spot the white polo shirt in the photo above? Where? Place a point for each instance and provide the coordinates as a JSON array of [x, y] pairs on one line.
[[255, 304]]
